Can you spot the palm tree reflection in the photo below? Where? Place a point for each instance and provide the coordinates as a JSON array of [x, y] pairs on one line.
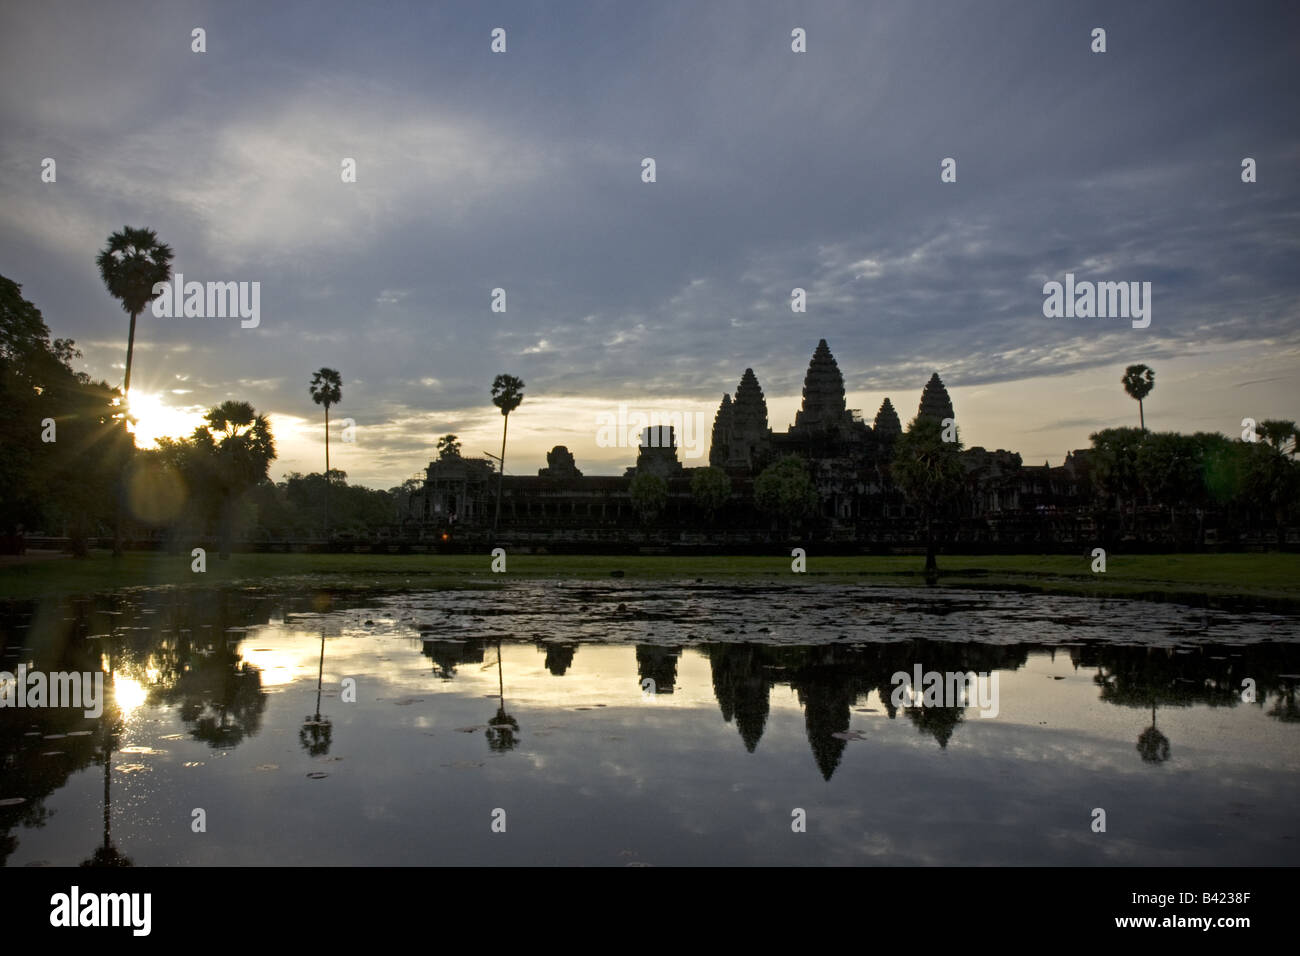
[[110, 726], [1152, 744], [317, 733], [503, 730]]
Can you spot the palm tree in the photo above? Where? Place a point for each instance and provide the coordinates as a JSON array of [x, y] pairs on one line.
[[326, 389], [132, 263], [1281, 434], [238, 447], [1138, 381], [507, 394]]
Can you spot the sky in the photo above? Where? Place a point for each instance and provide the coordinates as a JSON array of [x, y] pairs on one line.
[[774, 170]]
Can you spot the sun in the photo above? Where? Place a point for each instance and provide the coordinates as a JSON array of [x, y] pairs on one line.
[[155, 419]]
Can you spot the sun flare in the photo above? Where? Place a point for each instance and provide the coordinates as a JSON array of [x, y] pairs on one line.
[[155, 419]]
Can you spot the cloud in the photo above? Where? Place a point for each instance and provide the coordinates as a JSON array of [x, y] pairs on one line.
[[775, 170]]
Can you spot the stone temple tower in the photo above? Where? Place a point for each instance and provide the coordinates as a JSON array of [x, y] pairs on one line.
[[749, 429], [887, 424], [721, 434], [741, 435], [823, 408], [935, 403]]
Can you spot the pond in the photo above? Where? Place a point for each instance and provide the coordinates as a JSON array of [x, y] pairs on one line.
[[626, 724]]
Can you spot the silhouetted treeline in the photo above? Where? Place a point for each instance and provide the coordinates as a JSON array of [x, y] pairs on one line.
[[60, 445], [1244, 485]]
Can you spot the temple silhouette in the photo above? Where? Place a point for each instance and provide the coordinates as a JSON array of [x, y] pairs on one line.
[[848, 459]]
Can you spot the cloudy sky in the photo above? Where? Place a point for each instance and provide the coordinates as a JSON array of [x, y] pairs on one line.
[[523, 170]]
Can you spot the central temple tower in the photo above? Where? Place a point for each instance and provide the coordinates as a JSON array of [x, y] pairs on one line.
[[823, 410]]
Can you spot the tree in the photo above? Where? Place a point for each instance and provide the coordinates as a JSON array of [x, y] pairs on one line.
[[65, 485], [1283, 436], [1115, 471], [326, 389], [1170, 467], [132, 263], [928, 470], [649, 495], [710, 489], [1270, 483], [239, 446], [1218, 476], [507, 394], [1152, 745], [785, 491], [1138, 381], [448, 447]]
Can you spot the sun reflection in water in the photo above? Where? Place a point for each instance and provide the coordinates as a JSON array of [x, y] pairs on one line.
[[129, 693]]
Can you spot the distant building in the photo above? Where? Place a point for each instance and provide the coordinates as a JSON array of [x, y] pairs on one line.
[[848, 459]]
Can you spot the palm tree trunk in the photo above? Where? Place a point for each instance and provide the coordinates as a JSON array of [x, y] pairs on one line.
[[121, 478], [327, 477], [1142, 418], [130, 351], [501, 478]]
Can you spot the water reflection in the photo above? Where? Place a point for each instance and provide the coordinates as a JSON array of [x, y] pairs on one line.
[[317, 732], [199, 659], [126, 697], [503, 730]]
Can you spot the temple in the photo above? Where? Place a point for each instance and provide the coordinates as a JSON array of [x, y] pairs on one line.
[[859, 507]]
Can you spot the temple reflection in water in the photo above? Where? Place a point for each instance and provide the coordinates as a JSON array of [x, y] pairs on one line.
[[212, 662]]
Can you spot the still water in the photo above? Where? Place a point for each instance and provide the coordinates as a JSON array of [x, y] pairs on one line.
[[626, 724]]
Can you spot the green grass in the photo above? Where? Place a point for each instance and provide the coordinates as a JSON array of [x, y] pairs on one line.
[[1261, 578]]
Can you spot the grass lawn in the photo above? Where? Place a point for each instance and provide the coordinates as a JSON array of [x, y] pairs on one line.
[[1264, 578]]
